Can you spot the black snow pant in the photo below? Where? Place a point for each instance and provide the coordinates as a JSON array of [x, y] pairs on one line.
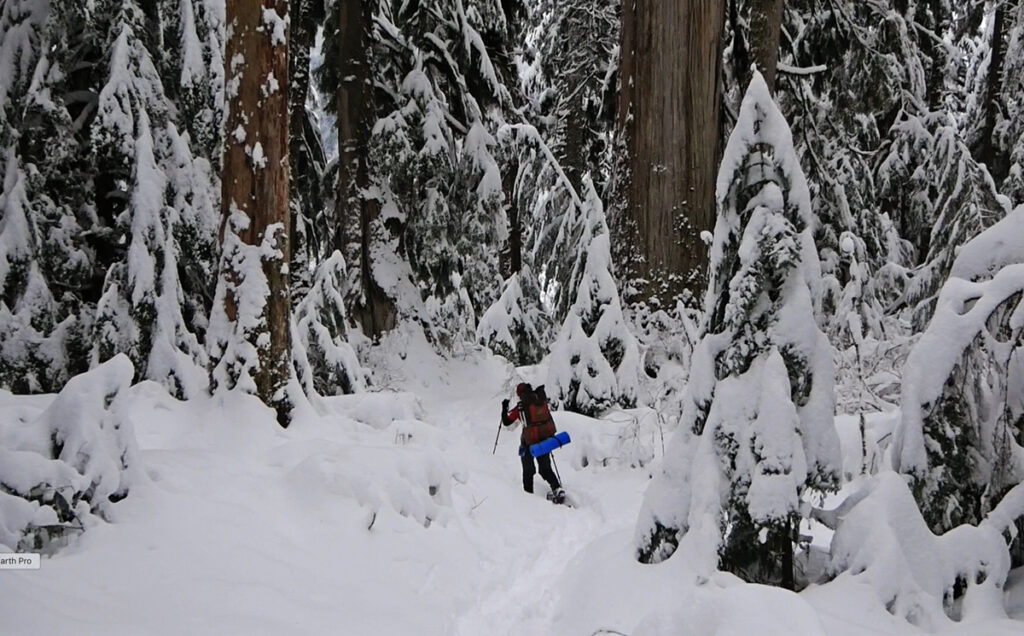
[[544, 463]]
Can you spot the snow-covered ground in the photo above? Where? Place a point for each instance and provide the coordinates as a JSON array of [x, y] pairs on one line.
[[390, 515]]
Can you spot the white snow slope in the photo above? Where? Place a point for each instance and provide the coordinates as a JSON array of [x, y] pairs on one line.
[[391, 516]]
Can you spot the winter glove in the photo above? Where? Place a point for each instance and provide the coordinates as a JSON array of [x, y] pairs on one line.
[[504, 405]]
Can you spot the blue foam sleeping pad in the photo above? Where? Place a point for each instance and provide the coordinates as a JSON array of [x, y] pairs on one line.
[[550, 444]]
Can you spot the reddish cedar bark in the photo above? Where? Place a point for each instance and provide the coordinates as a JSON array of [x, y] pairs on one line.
[[255, 172]]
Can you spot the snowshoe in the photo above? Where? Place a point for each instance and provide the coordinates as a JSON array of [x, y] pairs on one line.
[[557, 497]]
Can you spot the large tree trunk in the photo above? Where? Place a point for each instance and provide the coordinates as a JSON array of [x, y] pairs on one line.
[[374, 310], [255, 174], [669, 106], [765, 30]]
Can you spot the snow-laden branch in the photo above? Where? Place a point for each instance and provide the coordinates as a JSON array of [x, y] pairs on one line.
[[800, 70], [534, 135]]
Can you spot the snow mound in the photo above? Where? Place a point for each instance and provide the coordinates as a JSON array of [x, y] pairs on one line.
[[414, 482], [377, 410], [739, 609], [884, 543], [67, 465]]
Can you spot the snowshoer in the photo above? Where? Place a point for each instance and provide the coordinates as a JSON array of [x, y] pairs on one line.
[[532, 409]]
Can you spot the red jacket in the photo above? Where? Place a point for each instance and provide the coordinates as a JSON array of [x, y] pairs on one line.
[[533, 432], [511, 417]]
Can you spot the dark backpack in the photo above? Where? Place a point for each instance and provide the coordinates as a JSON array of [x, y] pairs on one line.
[[537, 416]]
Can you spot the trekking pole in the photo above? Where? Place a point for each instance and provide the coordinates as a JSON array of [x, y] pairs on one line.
[[496, 439], [555, 464]]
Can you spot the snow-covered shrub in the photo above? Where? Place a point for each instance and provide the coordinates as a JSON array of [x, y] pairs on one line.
[[759, 406], [667, 340], [882, 541], [516, 326], [321, 331], [963, 393], [69, 464], [631, 438], [595, 360], [856, 292]]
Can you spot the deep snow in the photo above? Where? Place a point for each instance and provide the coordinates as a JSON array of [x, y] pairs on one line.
[[390, 515]]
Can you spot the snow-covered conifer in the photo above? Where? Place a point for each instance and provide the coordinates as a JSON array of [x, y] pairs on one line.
[[484, 223], [194, 70], [140, 310], [421, 190], [38, 242], [1010, 130], [516, 326], [312, 236], [21, 22], [963, 383], [433, 190], [595, 360], [760, 392], [569, 67], [320, 326], [555, 233], [842, 82]]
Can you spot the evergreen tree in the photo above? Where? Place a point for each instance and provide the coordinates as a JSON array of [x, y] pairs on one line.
[[140, 311], [320, 325], [570, 63], [421, 188], [929, 175], [44, 187], [190, 60], [760, 393], [516, 326], [843, 95], [1012, 128], [960, 436], [876, 96], [552, 223], [26, 304], [595, 360], [667, 116], [87, 81], [192, 71], [310, 239]]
